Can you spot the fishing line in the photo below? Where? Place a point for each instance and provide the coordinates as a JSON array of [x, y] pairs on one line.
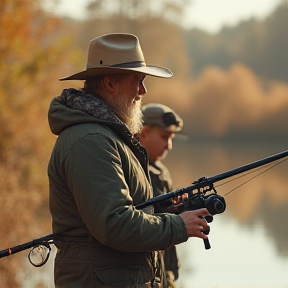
[[272, 166]]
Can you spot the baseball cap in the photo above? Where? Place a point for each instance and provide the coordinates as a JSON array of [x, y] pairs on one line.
[[162, 116]]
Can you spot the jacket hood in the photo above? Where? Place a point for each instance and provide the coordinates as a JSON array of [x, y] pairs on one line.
[[74, 107]]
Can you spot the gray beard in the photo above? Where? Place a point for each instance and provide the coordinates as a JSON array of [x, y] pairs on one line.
[[135, 120], [131, 115]]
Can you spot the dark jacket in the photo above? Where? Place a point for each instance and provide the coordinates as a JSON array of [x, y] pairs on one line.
[[97, 174], [162, 183]]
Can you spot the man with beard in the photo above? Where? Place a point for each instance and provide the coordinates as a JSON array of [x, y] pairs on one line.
[[98, 173]]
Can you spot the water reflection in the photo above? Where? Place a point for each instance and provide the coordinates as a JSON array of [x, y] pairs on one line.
[[249, 240], [239, 257]]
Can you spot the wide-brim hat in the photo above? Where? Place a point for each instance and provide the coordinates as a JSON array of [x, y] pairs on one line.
[[116, 53], [160, 115]]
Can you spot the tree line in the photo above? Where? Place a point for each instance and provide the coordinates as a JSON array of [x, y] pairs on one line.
[[261, 45]]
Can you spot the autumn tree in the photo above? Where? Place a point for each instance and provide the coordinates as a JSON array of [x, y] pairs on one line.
[[30, 58]]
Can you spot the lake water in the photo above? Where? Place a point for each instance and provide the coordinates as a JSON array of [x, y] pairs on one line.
[[249, 241]]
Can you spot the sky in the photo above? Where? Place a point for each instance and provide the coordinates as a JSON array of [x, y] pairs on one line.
[[208, 15]]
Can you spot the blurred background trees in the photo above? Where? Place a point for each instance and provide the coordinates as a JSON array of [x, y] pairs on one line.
[[31, 55], [229, 87], [259, 44]]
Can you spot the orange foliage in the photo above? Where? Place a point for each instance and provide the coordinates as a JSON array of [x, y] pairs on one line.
[[235, 102], [225, 105], [29, 58]]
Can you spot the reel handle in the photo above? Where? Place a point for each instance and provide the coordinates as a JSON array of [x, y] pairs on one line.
[[207, 244]]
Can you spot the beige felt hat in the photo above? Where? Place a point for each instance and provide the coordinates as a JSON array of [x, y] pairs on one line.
[[162, 116], [116, 53]]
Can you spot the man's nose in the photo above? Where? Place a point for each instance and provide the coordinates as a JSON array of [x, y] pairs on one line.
[[169, 145], [142, 89]]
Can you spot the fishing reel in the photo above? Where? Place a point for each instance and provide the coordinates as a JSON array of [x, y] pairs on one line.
[[213, 202], [206, 197]]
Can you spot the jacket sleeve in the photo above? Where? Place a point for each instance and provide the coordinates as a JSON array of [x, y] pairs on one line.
[[94, 174]]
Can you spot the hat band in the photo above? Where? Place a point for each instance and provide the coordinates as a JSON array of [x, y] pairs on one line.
[[134, 64]]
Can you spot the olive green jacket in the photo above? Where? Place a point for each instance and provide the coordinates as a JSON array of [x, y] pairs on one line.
[[162, 183], [97, 174]]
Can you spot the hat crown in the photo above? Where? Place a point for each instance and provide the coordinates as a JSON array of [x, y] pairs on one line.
[[114, 49], [116, 53]]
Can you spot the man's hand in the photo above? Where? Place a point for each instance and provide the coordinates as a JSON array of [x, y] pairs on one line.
[[195, 222]]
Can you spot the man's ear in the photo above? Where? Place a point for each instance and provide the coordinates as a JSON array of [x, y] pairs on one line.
[[109, 83], [144, 131]]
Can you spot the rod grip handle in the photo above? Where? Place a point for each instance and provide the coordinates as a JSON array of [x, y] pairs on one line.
[[207, 244]]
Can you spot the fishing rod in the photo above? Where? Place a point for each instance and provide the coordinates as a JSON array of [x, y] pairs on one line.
[[206, 183], [200, 194]]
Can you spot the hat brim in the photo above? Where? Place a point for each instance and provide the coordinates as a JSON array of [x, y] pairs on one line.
[[172, 129], [93, 72]]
